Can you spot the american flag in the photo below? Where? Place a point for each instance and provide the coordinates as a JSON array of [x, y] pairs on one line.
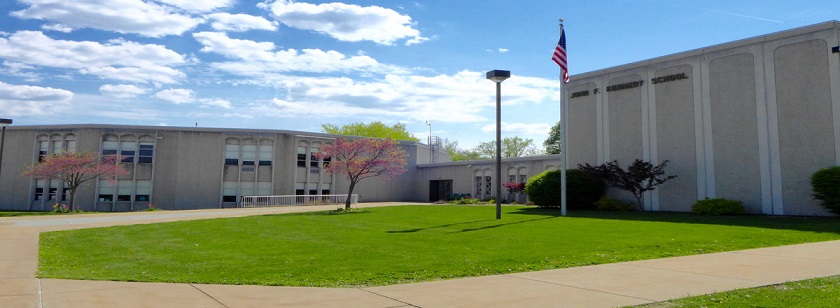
[[560, 56]]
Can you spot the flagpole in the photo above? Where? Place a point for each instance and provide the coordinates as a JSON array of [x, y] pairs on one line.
[[564, 134]]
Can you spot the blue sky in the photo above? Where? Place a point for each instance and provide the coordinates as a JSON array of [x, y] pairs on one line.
[[295, 65]]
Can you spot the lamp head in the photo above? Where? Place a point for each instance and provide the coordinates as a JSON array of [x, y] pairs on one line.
[[498, 76], [5, 122]]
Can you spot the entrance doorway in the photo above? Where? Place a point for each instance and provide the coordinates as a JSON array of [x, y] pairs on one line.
[[440, 190]]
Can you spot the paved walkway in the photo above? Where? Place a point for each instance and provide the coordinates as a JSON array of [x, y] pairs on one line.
[[607, 285]]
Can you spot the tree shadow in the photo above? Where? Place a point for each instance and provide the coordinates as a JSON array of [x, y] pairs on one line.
[[504, 224], [798, 223], [435, 227]]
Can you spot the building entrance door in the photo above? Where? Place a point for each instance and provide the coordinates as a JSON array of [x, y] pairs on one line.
[[440, 190]]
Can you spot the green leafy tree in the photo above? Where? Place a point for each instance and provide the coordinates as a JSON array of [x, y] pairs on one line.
[[511, 147], [456, 153], [640, 176], [373, 130], [553, 144]]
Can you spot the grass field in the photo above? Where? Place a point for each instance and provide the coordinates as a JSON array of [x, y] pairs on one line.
[[820, 292], [389, 245]]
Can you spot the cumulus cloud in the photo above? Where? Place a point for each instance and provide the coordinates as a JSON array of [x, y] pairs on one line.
[[528, 129], [117, 59], [177, 96], [199, 6], [57, 27], [121, 90], [257, 58], [240, 22], [16, 100], [124, 16], [346, 22], [185, 96]]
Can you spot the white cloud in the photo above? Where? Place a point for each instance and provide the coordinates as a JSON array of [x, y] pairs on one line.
[[346, 22], [177, 96], [57, 27], [17, 100], [527, 129], [121, 90], [257, 58], [185, 96], [240, 22], [503, 50], [117, 59], [199, 6], [124, 16]]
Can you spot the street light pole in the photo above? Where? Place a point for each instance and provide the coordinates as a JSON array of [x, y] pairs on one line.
[[3, 124], [498, 76]]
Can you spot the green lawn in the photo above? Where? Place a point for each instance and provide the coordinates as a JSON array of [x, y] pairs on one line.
[[22, 213], [821, 292], [388, 245]]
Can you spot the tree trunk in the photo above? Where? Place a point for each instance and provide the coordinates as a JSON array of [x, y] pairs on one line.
[[72, 199], [349, 194]]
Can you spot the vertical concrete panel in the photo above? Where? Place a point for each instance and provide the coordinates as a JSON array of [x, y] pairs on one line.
[[734, 130], [806, 134], [675, 137], [582, 134], [625, 121]]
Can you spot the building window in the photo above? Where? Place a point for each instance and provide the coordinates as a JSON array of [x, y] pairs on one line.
[[488, 183], [147, 151], [523, 178], [229, 190], [301, 156], [57, 147], [124, 190], [106, 191], [249, 154], [127, 151], [43, 149], [265, 153], [65, 194], [231, 154], [109, 147], [143, 190]]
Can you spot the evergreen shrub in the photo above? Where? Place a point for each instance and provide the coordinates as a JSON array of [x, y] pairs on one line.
[[826, 186], [582, 189], [718, 206], [615, 205]]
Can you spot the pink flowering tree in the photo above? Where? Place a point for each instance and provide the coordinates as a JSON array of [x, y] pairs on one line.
[[363, 158], [76, 168]]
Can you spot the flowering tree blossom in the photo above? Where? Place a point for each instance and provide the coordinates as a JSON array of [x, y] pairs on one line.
[[364, 158], [76, 168]]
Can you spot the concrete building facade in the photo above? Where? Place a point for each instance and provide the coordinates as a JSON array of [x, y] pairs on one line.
[[192, 168], [749, 120]]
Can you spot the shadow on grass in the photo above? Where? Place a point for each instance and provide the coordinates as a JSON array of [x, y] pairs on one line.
[[504, 224], [435, 227], [799, 223]]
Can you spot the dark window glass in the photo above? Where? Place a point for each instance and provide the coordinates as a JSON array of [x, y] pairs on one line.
[[65, 194], [41, 155], [52, 193], [39, 193], [109, 152], [228, 198], [299, 192], [106, 198], [301, 163], [124, 198], [313, 191], [144, 198], [325, 192], [145, 160], [247, 162], [231, 161], [265, 163]]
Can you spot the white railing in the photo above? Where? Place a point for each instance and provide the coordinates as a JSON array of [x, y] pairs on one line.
[[291, 200]]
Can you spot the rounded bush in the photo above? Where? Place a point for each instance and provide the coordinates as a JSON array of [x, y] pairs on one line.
[[612, 204], [826, 186], [718, 206], [582, 189]]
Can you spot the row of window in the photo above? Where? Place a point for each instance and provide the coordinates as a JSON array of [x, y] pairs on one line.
[[125, 190], [128, 151]]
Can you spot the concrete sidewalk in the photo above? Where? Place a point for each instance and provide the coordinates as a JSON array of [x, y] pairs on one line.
[[607, 285]]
